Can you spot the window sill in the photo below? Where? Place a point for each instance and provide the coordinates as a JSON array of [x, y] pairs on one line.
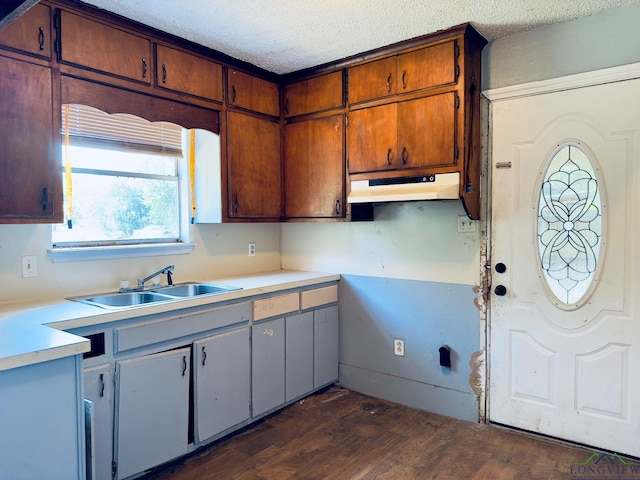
[[84, 254]]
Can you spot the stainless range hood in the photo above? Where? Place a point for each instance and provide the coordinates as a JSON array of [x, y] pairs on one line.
[[441, 186]]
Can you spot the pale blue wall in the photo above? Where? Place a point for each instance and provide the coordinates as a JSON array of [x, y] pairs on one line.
[[426, 315], [608, 39]]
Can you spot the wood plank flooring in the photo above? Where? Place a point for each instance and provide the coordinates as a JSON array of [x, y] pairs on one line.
[[343, 435]]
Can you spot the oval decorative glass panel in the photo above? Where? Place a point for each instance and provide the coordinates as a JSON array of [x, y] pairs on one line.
[[569, 226]]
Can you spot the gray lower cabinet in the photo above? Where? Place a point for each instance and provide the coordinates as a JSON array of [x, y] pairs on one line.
[[152, 414], [326, 346], [98, 387], [267, 363], [299, 355], [222, 371]]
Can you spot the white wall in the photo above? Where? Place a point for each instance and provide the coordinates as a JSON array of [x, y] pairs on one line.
[[412, 240], [220, 250]]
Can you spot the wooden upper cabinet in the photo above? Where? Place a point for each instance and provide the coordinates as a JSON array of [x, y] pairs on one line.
[[108, 49], [30, 33], [411, 134], [427, 131], [428, 67], [314, 95], [186, 73], [30, 180], [314, 168], [371, 80], [254, 177], [372, 139], [253, 93]]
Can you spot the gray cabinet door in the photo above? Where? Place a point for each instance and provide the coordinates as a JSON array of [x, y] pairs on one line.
[[326, 346], [222, 369], [299, 355], [267, 365], [152, 414], [98, 387]]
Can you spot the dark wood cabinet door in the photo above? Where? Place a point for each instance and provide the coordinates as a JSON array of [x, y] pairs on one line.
[[254, 168], [427, 131], [253, 93], [373, 80], [30, 32], [90, 44], [427, 67], [371, 139], [314, 168], [186, 73], [313, 95], [30, 176]]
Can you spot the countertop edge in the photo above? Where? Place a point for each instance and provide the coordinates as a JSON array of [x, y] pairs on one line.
[[43, 324]]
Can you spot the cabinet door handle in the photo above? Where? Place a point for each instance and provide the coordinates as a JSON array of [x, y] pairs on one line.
[[184, 365], [233, 94], [389, 83], [405, 156], [235, 203], [164, 73], [404, 79], [144, 68], [204, 356], [41, 38], [338, 208], [102, 384], [389, 158], [44, 200]]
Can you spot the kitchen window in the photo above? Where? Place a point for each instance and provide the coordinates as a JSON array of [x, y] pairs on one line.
[[125, 185]]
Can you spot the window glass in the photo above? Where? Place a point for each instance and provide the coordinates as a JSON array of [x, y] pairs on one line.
[[119, 190], [569, 225]]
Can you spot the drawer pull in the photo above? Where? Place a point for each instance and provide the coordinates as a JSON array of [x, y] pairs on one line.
[[389, 157], [404, 79]]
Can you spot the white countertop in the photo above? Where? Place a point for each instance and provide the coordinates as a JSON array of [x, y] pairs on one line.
[[34, 332]]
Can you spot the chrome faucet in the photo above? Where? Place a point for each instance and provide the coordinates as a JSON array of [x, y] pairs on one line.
[[168, 269]]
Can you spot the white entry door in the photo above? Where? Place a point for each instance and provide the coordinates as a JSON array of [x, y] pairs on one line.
[[565, 311]]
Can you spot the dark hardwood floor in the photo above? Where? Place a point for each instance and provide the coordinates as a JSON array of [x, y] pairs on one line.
[[342, 435]]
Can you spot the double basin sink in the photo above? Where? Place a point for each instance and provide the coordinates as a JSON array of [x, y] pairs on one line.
[[160, 294]]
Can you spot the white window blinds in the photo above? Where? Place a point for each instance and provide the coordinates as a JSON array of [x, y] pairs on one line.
[[90, 126]]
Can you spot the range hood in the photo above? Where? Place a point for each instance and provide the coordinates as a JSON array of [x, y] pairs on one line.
[[441, 186]]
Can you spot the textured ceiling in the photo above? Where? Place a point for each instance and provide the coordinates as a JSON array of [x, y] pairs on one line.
[[288, 35]]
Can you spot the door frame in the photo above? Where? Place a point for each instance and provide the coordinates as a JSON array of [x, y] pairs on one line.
[[489, 98]]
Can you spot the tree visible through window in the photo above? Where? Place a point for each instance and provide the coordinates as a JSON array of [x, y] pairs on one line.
[[121, 178]]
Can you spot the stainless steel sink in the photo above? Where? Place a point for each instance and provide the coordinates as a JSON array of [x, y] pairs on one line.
[[195, 289], [124, 300]]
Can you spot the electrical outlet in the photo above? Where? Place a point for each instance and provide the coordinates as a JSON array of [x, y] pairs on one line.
[[252, 249], [466, 225], [398, 347], [29, 266]]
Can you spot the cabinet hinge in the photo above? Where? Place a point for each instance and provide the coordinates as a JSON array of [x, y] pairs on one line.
[[457, 101], [56, 41], [457, 152], [114, 469], [457, 49]]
